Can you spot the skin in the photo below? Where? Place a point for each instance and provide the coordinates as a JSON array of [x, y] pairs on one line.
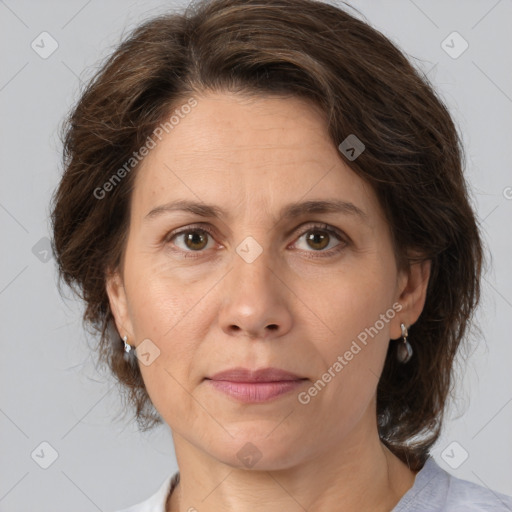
[[212, 311]]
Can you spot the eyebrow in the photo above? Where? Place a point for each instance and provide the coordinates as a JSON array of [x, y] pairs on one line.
[[289, 211]]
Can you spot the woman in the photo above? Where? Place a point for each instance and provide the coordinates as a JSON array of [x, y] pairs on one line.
[[264, 209]]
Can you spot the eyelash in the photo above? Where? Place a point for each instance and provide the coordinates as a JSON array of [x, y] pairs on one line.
[[312, 227]]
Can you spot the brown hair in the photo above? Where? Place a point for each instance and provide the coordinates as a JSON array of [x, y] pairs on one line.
[[365, 86]]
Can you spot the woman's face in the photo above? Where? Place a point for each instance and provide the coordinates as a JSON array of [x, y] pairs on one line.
[[258, 287]]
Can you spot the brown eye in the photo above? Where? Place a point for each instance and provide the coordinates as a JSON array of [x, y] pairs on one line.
[[318, 240], [321, 239], [192, 239], [196, 240]]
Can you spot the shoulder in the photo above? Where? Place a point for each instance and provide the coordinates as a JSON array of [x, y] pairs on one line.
[[437, 490], [470, 497], [157, 501]]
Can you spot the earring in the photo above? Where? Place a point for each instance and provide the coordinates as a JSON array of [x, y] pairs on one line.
[[127, 349], [404, 349]]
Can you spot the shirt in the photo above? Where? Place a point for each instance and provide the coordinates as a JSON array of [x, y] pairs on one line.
[[434, 490]]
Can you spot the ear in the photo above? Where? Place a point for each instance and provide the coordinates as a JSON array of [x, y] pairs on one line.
[[119, 304], [412, 293]]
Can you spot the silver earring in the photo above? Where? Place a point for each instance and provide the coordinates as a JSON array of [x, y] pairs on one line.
[[127, 349], [404, 349]]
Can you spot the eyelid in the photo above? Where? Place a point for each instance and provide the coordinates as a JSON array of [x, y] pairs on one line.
[[185, 229], [321, 226]]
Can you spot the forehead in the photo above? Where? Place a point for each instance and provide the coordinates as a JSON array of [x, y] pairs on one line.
[[242, 152]]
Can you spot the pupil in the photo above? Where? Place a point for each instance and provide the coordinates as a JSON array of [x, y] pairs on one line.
[[314, 239], [193, 238]]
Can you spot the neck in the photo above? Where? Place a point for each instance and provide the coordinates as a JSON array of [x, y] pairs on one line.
[[359, 472]]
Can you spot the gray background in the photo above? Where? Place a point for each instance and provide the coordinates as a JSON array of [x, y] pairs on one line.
[[50, 389]]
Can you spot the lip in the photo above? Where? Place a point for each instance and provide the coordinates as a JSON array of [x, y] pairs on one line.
[[255, 386], [240, 374]]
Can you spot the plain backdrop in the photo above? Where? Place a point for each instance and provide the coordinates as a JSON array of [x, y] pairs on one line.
[[51, 392]]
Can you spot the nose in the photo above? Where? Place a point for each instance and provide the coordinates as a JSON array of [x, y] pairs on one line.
[[256, 300]]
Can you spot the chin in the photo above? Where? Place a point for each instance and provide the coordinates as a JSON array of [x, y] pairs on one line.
[[254, 449]]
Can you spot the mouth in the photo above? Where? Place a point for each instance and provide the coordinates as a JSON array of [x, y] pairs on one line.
[[253, 386], [270, 374]]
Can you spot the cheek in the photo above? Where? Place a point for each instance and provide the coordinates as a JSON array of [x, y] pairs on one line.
[[169, 378], [165, 315], [353, 299], [358, 308], [164, 309], [158, 299]]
